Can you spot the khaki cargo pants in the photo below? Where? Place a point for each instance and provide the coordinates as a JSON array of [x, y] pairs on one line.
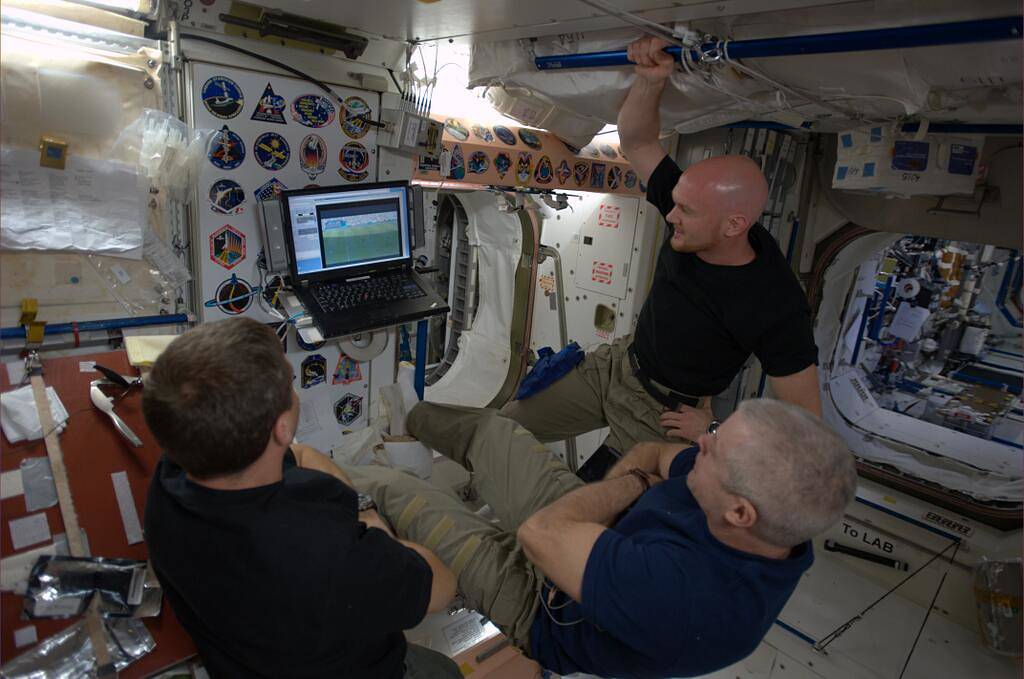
[[600, 392], [511, 471]]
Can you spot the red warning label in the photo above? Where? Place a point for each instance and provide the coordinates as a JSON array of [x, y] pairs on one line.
[[602, 272], [608, 216]]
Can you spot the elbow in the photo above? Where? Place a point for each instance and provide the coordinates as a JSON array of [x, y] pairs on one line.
[[533, 533]]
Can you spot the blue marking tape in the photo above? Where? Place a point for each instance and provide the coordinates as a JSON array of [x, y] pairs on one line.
[[910, 520]]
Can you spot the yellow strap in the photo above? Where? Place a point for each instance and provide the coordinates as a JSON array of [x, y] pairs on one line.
[[29, 309], [436, 535], [409, 513], [538, 448], [465, 553]]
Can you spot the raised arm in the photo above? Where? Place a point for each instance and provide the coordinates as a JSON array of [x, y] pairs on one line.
[[639, 121], [800, 389]]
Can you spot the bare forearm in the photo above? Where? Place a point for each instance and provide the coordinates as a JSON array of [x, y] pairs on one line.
[[598, 502], [639, 121], [641, 456]]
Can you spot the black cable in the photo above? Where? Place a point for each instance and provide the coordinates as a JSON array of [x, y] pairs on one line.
[[273, 62], [928, 612], [837, 632], [395, 80]]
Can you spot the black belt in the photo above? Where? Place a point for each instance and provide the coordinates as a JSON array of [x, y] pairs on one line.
[[670, 399]]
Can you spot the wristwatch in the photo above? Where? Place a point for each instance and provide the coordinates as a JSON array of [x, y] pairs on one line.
[[365, 502], [713, 427]]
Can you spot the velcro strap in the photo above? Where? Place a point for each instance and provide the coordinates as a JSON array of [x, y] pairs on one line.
[[409, 513], [465, 553], [436, 535]]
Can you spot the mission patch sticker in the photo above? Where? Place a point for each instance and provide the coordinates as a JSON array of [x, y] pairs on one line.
[[457, 169], [529, 138], [306, 346], [478, 162], [313, 155], [483, 133], [270, 190], [222, 97], [505, 135], [614, 177], [233, 296], [456, 129], [271, 151], [270, 108], [227, 246], [502, 162], [544, 172], [580, 172], [313, 371], [354, 159], [355, 123], [524, 166], [347, 371], [227, 197], [313, 110], [563, 172], [227, 150], [348, 409]]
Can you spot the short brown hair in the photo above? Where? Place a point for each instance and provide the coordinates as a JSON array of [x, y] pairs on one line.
[[213, 396]]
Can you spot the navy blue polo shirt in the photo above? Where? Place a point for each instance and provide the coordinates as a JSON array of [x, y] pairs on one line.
[[662, 597]]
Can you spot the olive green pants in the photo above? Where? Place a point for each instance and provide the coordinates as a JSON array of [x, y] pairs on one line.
[[600, 392], [511, 471]]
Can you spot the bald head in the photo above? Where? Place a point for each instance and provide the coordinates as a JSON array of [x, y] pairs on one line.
[[729, 185]]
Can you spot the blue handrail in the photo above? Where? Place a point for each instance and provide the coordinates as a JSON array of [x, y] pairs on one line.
[[953, 33], [108, 324]]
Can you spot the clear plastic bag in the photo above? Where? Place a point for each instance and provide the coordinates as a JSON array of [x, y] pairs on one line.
[[997, 592], [165, 150]]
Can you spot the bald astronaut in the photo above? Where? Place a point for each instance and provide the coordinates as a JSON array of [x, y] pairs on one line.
[[722, 290]]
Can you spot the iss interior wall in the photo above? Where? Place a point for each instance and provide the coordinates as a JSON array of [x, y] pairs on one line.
[[84, 97], [334, 390], [626, 250]]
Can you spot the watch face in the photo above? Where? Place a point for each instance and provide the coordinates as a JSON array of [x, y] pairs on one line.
[[365, 502]]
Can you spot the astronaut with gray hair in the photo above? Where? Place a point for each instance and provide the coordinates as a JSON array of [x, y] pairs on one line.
[[676, 564]]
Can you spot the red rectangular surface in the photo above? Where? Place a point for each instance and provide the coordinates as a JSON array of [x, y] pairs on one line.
[[93, 450]]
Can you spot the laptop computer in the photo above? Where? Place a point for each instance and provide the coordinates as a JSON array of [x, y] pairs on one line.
[[351, 257]]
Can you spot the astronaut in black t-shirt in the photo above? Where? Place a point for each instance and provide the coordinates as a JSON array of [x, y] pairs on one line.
[[722, 290], [270, 560]]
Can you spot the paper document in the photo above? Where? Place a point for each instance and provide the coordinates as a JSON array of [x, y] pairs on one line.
[[907, 322], [91, 206]]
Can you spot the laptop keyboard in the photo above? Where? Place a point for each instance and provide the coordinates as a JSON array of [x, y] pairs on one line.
[[377, 290]]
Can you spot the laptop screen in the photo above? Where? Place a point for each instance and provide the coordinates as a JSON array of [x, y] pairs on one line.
[[336, 229]]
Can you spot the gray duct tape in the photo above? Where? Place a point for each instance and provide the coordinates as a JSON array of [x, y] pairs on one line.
[[37, 480]]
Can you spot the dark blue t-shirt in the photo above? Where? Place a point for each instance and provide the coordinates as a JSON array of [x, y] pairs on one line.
[[662, 597]]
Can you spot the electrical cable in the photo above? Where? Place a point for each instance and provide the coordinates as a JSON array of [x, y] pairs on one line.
[[395, 80], [837, 632], [928, 611], [274, 62]]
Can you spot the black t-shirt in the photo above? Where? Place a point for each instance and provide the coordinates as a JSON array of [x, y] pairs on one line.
[[284, 580], [701, 321]]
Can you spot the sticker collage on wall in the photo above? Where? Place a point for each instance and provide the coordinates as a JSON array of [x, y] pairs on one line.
[[500, 155], [277, 133]]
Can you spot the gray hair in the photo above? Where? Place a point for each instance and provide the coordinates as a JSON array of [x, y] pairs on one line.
[[796, 471]]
